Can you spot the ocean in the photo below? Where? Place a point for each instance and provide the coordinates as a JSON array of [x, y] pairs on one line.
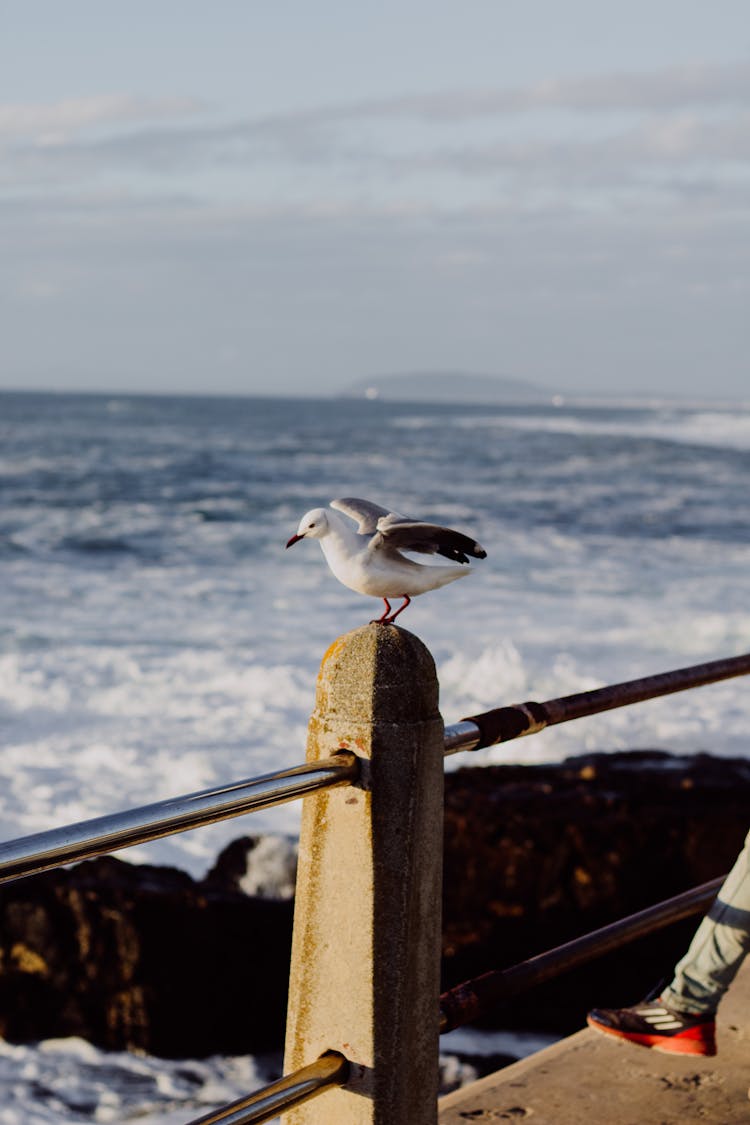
[[156, 637]]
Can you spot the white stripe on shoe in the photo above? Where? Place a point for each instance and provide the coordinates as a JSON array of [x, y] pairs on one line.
[[661, 1019]]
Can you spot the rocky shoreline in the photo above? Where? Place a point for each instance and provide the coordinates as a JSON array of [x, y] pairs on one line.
[[149, 958]]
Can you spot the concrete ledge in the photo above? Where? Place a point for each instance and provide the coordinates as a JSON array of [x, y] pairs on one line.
[[591, 1078]]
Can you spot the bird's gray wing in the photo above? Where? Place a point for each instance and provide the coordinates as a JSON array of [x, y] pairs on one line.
[[363, 512], [425, 538]]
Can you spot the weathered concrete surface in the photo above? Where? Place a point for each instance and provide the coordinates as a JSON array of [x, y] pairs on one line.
[[366, 947], [591, 1078]]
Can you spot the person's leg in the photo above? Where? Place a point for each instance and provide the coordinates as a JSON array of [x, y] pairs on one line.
[[681, 1020], [719, 947]]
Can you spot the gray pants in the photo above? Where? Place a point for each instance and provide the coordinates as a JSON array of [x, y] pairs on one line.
[[719, 947]]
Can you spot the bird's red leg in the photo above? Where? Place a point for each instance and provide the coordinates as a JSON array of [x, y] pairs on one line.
[[382, 620], [401, 608]]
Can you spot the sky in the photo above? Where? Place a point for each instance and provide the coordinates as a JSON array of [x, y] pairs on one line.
[[245, 197]]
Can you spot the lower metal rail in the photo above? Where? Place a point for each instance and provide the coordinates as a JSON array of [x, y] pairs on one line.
[[473, 998], [331, 1069]]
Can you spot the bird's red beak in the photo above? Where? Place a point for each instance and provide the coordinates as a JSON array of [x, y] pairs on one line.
[[295, 539]]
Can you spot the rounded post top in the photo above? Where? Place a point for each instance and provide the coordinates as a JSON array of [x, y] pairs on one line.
[[381, 673]]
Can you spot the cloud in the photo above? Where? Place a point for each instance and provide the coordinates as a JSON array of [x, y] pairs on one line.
[[38, 122], [658, 142], [702, 84], [166, 130], [591, 207]]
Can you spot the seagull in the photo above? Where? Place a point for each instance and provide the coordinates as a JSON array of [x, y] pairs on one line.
[[367, 558]]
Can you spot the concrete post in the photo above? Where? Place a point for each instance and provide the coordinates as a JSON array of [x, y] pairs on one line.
[[365, 970]]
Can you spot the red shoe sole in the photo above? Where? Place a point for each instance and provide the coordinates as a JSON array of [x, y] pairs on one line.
[[673, 1046]]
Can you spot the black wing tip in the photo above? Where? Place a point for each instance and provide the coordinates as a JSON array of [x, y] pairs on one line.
[[461, 554], [476, 550]]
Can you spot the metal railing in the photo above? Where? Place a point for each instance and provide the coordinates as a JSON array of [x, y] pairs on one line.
[[503, 724], [330, 1070], [467, 1001], [46, 850], [28, 855]]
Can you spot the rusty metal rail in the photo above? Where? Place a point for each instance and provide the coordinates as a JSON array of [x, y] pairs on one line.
[[472, 998], [503, 724], [331, 1069]]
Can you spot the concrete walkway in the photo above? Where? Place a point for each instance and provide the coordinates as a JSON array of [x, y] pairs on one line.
[[590, 1079]]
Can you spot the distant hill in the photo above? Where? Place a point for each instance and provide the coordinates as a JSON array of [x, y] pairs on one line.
[[448, 386]]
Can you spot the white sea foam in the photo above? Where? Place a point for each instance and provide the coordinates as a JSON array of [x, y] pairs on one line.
[[727, 429], [118, 710], [70, 1082], [271, 868], [67, 1081]]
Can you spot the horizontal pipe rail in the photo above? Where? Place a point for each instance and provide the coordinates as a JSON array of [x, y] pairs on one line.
[[503, 724], [331, 1069], [473, 998], [461, 736], [45, 850]]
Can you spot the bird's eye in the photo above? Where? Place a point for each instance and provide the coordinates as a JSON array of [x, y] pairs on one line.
[[312, 525]]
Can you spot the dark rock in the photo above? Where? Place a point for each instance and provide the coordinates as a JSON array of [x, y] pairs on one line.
[[146, 957], [135, 956]]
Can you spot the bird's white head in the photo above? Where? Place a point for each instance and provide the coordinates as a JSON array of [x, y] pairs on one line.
[[313, 525]]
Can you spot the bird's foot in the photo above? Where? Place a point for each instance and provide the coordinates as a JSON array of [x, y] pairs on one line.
[[385, 619], [389, 617]]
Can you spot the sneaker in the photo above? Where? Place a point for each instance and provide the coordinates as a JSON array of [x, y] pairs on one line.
[[651, 1024]]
